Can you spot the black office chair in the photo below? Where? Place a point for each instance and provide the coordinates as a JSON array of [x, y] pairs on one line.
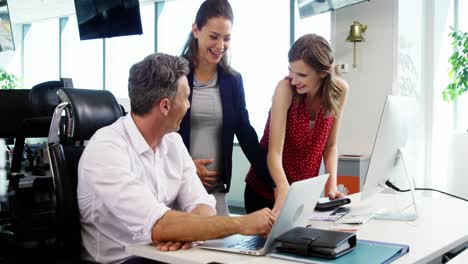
[[30, 214], [86, 112]]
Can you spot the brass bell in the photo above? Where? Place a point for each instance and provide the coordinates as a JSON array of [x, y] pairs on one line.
[[355, 32], [355, 35]]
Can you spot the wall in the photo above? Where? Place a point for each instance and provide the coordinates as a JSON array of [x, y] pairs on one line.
[[240, 166], [373, 79]]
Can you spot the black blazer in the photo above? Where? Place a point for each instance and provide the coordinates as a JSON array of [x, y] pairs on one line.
[[235, 121]]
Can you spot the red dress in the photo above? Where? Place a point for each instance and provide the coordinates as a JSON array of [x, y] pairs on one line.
[[303, 147]]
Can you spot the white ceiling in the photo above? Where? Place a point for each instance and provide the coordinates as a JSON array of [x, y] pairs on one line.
[[24, 11]]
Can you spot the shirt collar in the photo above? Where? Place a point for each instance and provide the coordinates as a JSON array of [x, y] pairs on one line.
[[134, 135], [136, 138]]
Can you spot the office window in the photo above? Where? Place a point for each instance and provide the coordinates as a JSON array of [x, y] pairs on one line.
[[41, 52], [10, 60], [123, 52], [259, 47], [175, 24], [462, 102], [318, 24], [81, 60]]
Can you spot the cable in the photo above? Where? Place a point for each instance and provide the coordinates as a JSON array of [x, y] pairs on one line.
[[391, 185]]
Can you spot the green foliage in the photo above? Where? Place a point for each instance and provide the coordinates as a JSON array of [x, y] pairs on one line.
[[458, 74], [7, 81]]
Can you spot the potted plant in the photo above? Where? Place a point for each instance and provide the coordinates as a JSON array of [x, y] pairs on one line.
[[7, 81], [458, 74], [458, 84]]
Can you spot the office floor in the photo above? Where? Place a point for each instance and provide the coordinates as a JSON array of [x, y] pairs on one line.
[[234, 210]]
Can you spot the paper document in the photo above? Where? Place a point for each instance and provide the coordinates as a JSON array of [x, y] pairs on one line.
[[331, 215], [356, 218]]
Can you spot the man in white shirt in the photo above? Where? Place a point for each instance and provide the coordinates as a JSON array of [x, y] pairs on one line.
[[135, 172]]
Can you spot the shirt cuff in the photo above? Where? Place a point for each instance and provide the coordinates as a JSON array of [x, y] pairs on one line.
[[208, 200], [146, 234]]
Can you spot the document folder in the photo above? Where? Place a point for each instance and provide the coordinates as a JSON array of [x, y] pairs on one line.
[[369, 252]]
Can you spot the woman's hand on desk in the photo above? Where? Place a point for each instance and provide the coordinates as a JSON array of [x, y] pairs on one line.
[[173, 246], [334, 193], [207, 177]]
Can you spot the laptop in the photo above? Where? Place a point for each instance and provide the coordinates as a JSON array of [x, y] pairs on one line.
[[298, 206]]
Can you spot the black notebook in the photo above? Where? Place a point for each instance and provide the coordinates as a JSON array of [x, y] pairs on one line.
[[316, 242]]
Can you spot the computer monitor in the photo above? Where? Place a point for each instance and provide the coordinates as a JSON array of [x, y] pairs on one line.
[[108, 18], [6, 33], [3, 187], [389, 158]]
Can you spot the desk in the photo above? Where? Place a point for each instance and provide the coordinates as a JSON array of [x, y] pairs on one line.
[[441, 227], [461, 258]]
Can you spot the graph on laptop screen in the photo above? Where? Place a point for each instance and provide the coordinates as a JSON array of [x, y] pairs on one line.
[[389, 158]]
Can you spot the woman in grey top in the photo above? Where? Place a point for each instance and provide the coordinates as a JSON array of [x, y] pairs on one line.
[[218, 108]]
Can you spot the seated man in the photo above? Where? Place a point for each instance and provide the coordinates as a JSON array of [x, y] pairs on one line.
[[134, 172]]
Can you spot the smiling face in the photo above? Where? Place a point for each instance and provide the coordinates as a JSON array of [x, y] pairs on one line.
[[213, 39], [305, 79], [180, 103]]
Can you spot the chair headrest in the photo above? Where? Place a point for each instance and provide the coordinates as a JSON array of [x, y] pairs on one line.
[[89, 110], [43, 98]]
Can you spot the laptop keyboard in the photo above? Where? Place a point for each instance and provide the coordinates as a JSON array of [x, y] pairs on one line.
[[251, 243]]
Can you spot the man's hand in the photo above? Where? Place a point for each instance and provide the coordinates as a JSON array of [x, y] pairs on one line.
[[280, 193], [208, 178], [173, 246], [258, 223]]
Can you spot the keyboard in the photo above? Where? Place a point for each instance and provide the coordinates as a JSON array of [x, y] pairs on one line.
[[251, 243]]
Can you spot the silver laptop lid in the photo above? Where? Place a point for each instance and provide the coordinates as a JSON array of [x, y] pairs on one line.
[[298, 207]]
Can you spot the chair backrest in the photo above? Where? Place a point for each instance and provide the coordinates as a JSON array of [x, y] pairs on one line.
[[27, 113], [43, 98], [86, 112], [32, 216]]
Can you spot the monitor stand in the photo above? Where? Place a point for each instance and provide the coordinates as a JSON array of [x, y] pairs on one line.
[[402, 216]]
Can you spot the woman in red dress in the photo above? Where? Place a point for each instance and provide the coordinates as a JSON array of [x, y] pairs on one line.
[[302, 126]]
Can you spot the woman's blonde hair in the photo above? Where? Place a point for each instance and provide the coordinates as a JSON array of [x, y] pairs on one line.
[[315, 51]]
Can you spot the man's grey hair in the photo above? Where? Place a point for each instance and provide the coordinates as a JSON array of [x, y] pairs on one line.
[[154, 78]]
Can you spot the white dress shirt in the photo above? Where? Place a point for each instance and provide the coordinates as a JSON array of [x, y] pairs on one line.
[[124, 188]]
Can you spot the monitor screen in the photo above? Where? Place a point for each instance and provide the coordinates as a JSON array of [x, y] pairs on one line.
[[108, 18], [6, 33], [392, 141], [309, 8]]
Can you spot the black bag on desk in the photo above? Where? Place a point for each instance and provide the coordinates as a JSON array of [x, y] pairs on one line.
[[316, 242]]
